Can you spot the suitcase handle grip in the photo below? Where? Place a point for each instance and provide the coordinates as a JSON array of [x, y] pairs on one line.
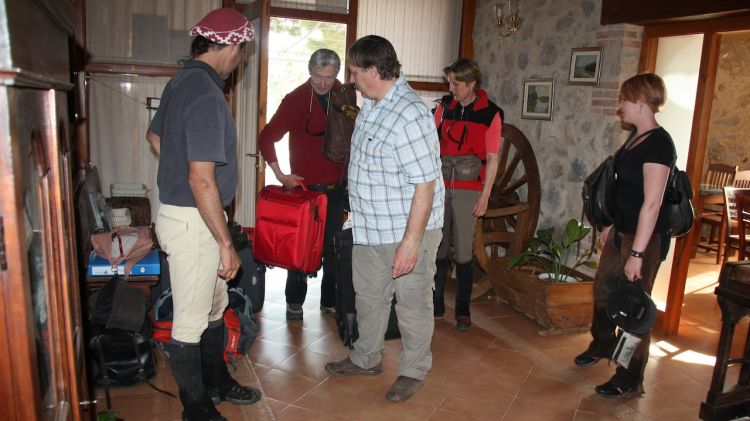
[[299, 182]]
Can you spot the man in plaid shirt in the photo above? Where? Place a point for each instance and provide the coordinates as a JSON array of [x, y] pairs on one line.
[[396, 195]]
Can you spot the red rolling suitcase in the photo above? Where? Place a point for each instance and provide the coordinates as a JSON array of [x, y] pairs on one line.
[[289, 227]]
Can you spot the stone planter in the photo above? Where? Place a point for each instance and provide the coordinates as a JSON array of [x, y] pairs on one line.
[[558, 307]]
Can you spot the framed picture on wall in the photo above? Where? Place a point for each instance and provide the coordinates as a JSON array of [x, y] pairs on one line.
[[585, 64], [537, 99]]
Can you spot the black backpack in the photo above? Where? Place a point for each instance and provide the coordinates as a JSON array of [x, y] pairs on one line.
[[678, 197]]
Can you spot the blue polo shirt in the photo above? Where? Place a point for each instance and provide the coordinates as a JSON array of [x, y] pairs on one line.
[[194, 123]]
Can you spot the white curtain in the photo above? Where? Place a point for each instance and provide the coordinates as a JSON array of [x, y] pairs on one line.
[[118, 120], [142, 31], [425, 34]]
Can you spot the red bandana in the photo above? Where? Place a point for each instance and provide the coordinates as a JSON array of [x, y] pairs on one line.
[[224, 26]]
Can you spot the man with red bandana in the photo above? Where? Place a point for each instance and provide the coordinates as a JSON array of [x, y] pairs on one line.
[[195, 137]]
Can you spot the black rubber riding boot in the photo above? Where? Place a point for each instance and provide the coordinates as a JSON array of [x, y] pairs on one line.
[[218, 382], [185, 360], [437, 295], [464, 283]]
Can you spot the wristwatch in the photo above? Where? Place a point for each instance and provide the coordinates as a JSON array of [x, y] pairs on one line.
[[638, 254]]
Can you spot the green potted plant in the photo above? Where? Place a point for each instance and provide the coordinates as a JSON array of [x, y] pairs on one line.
[[553, 255]]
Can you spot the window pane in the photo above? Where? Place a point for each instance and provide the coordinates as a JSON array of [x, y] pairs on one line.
[[330, 6], [143, 31]]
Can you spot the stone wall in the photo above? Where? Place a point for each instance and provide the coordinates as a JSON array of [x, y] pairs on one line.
[[729, 128], [584, 127]]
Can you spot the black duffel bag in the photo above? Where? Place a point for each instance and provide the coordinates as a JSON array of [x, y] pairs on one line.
[[121, 357]]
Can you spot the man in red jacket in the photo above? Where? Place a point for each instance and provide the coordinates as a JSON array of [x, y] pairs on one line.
[[303, 114]]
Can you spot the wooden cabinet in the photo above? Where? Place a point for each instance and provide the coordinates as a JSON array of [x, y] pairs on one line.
[[41, 336]]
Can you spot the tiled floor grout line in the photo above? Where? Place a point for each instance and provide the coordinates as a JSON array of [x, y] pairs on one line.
[[265, 410]]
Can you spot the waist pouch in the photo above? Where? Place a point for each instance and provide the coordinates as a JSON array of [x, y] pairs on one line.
[[461, 167]]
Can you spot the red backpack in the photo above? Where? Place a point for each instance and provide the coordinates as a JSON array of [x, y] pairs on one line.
[[240, 329]]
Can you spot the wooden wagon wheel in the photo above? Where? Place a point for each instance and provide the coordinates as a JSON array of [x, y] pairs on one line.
[[513, 208]]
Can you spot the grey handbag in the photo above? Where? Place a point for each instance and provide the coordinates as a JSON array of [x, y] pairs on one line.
[[461, 167]]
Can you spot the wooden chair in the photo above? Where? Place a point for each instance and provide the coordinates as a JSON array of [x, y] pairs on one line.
[[742, 179], [717, 177], [730, 232], [742, 200]]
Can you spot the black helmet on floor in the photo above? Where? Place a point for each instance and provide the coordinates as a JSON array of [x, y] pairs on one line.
[[631, 308]]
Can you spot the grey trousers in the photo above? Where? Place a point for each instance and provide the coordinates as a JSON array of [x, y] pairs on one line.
[[374, 287], [459, 205]]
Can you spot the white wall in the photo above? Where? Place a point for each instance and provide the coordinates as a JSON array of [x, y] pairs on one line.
[[677, 62]]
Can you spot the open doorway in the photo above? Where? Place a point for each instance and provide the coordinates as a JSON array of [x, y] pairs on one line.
[[290, 44], [710, 91]]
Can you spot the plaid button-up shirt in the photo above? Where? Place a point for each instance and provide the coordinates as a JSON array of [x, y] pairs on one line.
[[394, 146]]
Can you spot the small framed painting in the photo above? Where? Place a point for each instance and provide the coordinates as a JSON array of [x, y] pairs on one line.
[[537, 99], [585, 64]]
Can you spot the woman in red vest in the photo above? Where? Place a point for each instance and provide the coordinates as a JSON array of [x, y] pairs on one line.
[[469, 127]]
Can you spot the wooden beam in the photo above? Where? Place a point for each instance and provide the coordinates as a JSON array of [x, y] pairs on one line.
[[466, 42], [131, 69], [660, 11], [429, 86], [310, 15]]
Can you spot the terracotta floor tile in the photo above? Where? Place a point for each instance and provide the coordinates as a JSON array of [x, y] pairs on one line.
[[445, 415], [549, 393], [295, 413], [284, 386], [270, 353], [308, 364], [330, 345], [477, 399], [524, 410], [336, 399], [402, 411], [591, 416], [294, 336]]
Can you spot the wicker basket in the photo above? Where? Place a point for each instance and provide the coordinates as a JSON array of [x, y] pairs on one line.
[[140, 209]]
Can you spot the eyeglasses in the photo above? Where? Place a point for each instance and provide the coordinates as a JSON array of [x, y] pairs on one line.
[[309, 113]]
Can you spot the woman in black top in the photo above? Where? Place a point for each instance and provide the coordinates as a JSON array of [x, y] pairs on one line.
[[639, 241]]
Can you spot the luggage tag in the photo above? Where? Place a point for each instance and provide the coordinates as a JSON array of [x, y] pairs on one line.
[[625, 348]]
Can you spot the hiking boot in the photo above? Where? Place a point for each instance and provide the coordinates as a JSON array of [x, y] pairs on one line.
[[326, 309], [403, 388], [294, 311], [463, 323], [236, 394], [346, 367], [217, 381]]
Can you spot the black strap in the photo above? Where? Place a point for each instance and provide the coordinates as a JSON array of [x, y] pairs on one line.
[[142, 371], [593, 235], [105, 376]]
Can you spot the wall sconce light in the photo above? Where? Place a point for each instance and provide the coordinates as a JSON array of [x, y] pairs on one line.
[[507, 18]]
